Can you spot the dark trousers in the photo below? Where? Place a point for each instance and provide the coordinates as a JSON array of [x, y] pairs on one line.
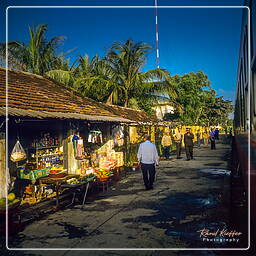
[[178, 149], [148, 172], [189, 151], [199, 142], [213, 146], [167, 152]]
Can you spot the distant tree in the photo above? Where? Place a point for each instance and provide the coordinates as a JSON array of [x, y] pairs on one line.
[[196, 102], [146, 104], [190, 94], [172, 116], [218, 112]]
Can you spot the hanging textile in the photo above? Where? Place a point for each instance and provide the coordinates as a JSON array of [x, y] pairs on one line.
[[75, 138], [95, 137], [79, 151], [118, 136], [72, 163]]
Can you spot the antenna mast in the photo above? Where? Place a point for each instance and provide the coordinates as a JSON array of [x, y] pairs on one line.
[[157, 46]]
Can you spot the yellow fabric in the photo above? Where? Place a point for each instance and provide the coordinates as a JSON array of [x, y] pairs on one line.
[[166, 141], [177, 136]]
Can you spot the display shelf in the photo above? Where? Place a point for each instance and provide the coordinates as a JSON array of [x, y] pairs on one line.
[[50, 155], [38, 148], [39, 157]]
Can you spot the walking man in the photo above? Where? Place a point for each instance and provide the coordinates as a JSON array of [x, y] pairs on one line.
[[148, 158], [216, 133], [212, 139], [188, 141], [166, 143], [178, 140]]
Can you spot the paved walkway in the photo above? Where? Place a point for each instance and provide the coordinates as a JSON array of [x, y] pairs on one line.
[[185, 199]]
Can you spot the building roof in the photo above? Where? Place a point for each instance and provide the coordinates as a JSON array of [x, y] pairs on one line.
[[46, 114], [35, 96], [137, 116]]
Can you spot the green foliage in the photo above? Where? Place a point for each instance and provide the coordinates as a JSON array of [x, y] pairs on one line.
[[197, 102], [38, 56], [146, 104], [118, 79], [172, 116], [125, 62]]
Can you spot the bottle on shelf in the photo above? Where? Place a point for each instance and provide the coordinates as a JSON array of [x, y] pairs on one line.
[[56, 141]]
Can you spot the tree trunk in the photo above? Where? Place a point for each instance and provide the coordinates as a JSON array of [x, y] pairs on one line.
[[110, 99], [126, 99]]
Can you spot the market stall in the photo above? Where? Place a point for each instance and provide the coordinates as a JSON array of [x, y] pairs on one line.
[[57, 140], [60, 143], [45, 159]]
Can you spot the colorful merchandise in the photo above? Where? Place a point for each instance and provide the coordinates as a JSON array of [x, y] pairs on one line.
[[95, 137]]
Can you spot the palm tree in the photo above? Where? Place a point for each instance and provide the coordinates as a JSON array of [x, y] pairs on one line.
[[126, 62], [38, 56], [89, 77], [93, 77], [117, 78]]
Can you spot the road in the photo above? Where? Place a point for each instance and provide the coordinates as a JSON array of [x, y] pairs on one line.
[[187, 197]]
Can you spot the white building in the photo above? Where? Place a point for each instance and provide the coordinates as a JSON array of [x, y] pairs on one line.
[[162, 108]]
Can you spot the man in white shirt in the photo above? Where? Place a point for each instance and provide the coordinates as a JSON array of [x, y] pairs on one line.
[[148, 158]]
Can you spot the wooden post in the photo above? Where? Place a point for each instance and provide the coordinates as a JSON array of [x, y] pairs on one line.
[[152, 135], [3, 171], [126, 144]]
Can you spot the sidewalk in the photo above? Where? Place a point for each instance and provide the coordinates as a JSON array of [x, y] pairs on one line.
[[184, 200]]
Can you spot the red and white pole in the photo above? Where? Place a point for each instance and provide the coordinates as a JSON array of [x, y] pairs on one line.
[[157, 46]]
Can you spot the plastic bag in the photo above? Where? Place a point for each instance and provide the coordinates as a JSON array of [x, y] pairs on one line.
[[18, 153]]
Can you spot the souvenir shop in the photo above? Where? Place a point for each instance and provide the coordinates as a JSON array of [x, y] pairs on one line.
[[43, 152]]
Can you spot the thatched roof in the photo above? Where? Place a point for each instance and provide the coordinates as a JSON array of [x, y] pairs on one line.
[[137, 116], [35, 96]]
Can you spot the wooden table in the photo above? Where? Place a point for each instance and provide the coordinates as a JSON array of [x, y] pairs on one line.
[[75, 188], [57, 183], [60, 183]]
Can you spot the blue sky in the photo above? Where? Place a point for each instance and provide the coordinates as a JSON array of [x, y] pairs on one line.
[[189, 39]]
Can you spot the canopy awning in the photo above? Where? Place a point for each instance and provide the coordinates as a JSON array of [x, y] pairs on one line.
[[60, 115]]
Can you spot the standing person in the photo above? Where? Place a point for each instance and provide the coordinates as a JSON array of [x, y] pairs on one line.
[[216, 133], [212, 139], [178, 140], [148, 158], [198, 138], [230, 135], [188, 141], [230, 132], [206, 136], [166, 143]]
